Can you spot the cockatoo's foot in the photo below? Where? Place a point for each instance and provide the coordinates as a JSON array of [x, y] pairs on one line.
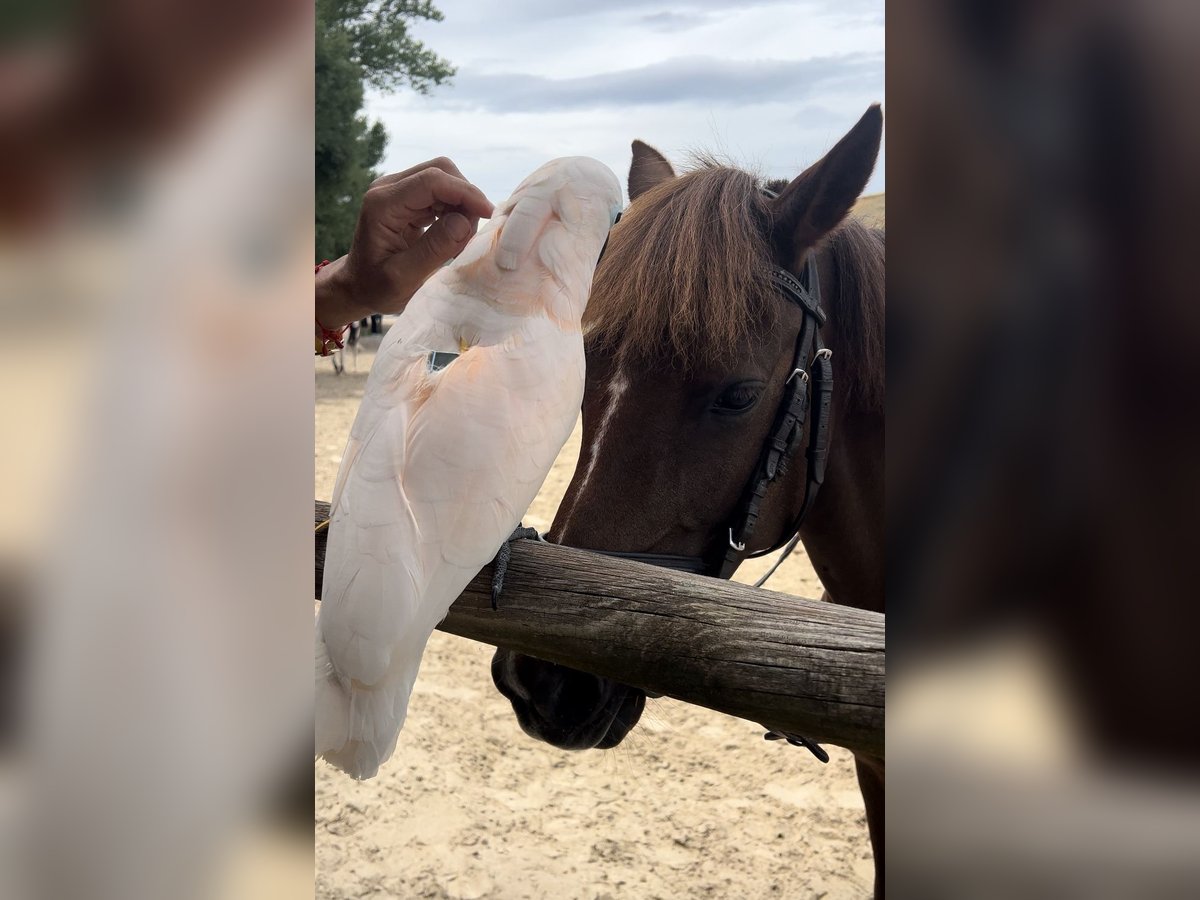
[[796, 741], [500, 563]]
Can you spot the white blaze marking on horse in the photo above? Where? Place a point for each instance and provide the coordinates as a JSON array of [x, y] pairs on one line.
[[616, 389]]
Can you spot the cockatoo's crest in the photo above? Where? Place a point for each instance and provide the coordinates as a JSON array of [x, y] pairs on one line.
[[521, 230]]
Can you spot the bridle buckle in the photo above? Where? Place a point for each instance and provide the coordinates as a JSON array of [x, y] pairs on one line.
[[803, 376], [734, 544]]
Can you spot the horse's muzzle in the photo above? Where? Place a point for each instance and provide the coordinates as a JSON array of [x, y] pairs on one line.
[[564, 707]]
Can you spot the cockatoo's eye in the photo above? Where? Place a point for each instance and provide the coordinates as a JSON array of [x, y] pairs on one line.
[[616, 217], [738, 398]]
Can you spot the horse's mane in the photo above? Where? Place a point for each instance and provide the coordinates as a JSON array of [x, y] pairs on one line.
[[856, 311], [686, 273]]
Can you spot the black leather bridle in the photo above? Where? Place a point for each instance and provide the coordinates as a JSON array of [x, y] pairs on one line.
[[809, 388]]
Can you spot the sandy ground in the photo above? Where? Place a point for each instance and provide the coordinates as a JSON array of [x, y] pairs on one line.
[[692, 804]]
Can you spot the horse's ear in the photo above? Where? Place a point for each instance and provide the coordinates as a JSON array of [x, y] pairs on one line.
[[648, 168], [821, 196]]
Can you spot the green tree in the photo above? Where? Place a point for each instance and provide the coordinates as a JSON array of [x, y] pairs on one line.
[[359, 43]]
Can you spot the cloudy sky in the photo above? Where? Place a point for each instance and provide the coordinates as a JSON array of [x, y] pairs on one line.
[[770, 85]]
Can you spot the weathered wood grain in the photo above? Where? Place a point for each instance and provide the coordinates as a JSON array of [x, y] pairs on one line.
[[791, 664]]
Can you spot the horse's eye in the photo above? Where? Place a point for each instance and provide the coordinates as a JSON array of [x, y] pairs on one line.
[[738, 398]]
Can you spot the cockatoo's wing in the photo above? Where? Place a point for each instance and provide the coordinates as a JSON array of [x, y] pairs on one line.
[[418, 516], [372, 575]]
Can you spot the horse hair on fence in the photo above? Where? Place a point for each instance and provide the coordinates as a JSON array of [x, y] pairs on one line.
[[790, 664]]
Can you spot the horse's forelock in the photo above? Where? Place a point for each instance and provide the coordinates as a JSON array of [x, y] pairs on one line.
[[686, 273], [686, 277]]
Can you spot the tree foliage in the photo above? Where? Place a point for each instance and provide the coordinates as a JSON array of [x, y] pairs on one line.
[[359, 43]]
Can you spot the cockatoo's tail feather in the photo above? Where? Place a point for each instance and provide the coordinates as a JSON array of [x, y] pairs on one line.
[[444, 459]]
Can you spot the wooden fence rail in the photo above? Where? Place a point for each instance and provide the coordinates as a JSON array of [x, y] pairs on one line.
[[791, 664]]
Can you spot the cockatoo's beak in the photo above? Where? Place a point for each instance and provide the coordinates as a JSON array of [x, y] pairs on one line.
[[605, 247]]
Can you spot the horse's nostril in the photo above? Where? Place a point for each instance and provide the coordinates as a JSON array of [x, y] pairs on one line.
[[510, 674], [555, 694], [559, 694]]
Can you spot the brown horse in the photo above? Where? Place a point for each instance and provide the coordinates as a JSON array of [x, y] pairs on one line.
[[689, 347]]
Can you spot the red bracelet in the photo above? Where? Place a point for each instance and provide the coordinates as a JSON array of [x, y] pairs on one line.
[[327, 340]]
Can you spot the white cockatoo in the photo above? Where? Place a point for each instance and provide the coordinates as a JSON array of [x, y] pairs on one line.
[[474, 391]]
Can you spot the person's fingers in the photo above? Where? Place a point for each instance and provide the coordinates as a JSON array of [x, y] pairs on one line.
[[443, 240], [425, 219], [405, 199], [450, 191], [420, 218], [441, 162]]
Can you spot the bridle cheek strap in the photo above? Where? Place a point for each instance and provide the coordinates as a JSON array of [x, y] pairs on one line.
[[818, 443], [810, 384]]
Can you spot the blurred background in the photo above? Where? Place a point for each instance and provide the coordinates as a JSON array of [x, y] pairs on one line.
[[1042, 486], [156, 204]]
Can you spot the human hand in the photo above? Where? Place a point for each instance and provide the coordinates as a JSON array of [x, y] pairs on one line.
[[410, 224]]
